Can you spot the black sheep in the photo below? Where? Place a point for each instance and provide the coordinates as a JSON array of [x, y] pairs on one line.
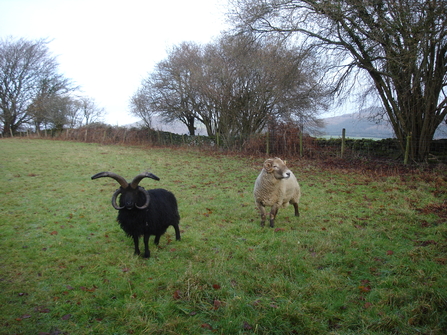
[[144, 212]]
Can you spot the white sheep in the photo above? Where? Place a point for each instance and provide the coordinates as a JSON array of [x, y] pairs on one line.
[[276, 186]]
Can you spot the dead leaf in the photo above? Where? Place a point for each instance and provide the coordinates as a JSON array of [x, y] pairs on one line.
[[217, 304], [247, 326], [206, 326], [177, 295], [364, 288], [425, 243], [66, 317], [367, 305]]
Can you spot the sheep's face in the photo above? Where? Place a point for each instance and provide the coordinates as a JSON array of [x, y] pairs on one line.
[[278, 167], [133, 198]]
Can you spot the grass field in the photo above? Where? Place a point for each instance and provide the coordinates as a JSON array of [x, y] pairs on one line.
[[367, 256]]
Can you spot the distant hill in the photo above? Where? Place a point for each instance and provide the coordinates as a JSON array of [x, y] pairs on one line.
[[357, 126]]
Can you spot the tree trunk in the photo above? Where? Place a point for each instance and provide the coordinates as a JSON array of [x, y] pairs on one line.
[[191, 126]]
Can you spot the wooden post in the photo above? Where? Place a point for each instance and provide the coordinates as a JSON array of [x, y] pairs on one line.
[[124, 136], [407, 149], [301, 143], [267, 145], [343, 138]]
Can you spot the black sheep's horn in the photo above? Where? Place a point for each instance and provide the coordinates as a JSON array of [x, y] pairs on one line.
[[148, 198], [137, 179], [115, 195], [118, 178]]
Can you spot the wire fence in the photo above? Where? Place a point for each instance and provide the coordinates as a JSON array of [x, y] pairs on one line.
[[283, 142]]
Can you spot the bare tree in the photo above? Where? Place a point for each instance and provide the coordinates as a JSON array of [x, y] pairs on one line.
[[400, 45], [171, 90], [232, 86], [249, 82], [141, 106], [89, 111], [28, 79]]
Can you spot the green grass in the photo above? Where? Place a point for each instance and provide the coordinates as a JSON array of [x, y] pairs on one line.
[[367, 256]]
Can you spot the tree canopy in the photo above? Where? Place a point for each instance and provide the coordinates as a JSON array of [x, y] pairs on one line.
[[233, 86], [400, 45], [29, 82]]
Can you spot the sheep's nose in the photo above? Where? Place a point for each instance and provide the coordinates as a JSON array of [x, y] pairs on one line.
[[288, 174]]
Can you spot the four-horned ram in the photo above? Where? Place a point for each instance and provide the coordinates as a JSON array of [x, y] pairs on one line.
[[143, 212]]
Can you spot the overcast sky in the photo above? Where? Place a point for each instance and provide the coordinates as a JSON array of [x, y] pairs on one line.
[[107, 47]]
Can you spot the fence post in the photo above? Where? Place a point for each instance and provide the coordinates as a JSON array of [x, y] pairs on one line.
[[343, 138], [301, 144], [267, 146], [407, 149]]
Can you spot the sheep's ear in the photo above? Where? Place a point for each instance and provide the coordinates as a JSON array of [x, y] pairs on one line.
[[268, 165]]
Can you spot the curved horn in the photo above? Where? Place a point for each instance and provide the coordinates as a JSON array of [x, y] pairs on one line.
[[148, 198], [137, 179], [114, 196], [118, 178]]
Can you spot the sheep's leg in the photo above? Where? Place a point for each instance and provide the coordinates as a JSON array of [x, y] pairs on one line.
[[273, 213], [157, 239], [177, 232], [135, 242], [261, 209], [297, 211], [147, 253]]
